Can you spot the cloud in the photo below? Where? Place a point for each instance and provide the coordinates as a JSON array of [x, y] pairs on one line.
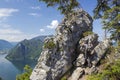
[[42, 30], [34, 14], [17, 38], [36, 7], [6, 12], [2, 25], [9, 31], [53, 24], [14, 35]]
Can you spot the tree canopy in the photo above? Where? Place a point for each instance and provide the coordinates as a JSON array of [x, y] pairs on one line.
[[26, 74], [65, 6], [0, 78], [109, 12]]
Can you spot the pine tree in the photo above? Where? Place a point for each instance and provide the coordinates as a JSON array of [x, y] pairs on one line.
[[109, 12], [26, 74], [65, 6]]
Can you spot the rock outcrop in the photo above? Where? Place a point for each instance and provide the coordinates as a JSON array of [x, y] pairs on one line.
[[90, 53], [69, 49]]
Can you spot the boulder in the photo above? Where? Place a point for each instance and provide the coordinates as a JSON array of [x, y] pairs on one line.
[[99, 51], [86, 45], [78, 72]]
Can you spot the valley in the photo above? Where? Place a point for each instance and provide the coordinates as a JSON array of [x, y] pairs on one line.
[[15, 55]]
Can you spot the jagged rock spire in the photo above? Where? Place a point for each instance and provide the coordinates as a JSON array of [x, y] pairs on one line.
[[59, 51]]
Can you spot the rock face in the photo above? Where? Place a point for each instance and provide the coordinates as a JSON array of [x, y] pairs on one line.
[[60, 51], [86, 45], [90, 53], [68, 48]]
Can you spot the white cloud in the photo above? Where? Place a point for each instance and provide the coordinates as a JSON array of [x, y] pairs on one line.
[[6, 12], [36, 7], [42, 30], [2, 25], [14, 35], [34, 14], [7, 32], [10, 31], [53, 24], [17, 38]]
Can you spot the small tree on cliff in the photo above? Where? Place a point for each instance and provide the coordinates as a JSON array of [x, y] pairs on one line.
[[109, 12], [65, 6], [0, 78], [26, 74]]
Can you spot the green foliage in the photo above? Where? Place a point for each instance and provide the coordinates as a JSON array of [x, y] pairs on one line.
[[0, 78], [49, 45], [26, 74], [64, 78], [111, 72], [61, 49], [102, 5], [87, 33], [117, 48], [65, 6], [109, 12]]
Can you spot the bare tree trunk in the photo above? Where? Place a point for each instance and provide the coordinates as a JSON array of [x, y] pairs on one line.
[[105, 34]]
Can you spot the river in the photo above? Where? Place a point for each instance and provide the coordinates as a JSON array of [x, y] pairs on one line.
[[9, 70]]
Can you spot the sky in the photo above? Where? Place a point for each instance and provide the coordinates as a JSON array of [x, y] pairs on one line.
[[25, 19]]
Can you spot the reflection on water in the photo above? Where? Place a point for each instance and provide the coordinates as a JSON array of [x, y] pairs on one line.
[[20, 64], [9, 70]]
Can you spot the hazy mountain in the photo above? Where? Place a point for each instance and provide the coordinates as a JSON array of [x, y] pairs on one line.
[[14, 43], [41, 38], [5, 45], [26, 49]]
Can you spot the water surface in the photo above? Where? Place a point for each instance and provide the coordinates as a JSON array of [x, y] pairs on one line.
[[9, 70]]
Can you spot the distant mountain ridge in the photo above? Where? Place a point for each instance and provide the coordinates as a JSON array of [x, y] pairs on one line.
[[14, 43], [5, 45], [27, 49], [40, 38]]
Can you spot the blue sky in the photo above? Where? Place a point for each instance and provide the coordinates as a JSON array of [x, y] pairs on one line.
[[25, 19]]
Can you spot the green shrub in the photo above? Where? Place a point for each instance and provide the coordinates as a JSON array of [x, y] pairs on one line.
[[49, 45], [87, 33], [118, 47], [26, 74], [64, 78], [111, 72]]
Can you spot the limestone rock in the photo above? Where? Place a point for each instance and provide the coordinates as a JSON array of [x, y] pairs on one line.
[[90, 53], [80, 61], [99, 51], [86, 45], [78, 72], [59, 52]]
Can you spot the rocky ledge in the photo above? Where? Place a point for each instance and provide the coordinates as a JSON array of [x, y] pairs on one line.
[[70, 48]]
